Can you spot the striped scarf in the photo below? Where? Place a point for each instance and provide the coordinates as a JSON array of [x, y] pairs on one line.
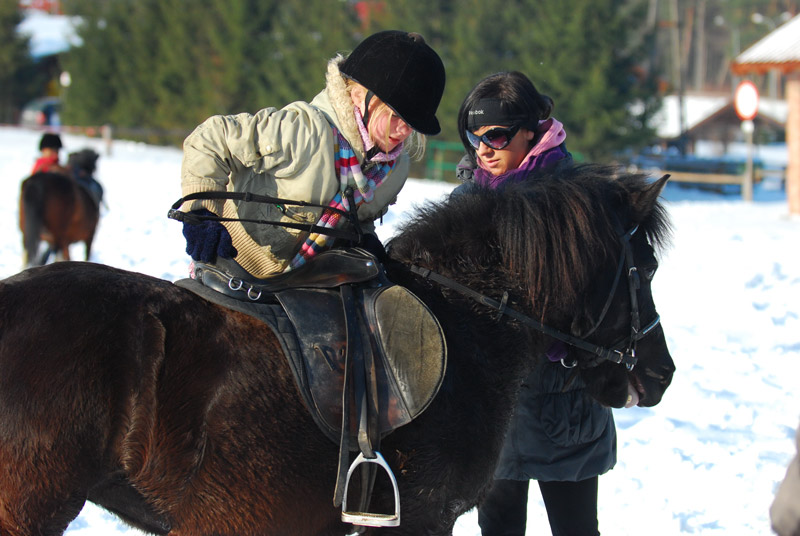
[[349, 173]]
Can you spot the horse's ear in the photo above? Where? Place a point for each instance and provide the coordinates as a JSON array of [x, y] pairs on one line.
[[644, 200]]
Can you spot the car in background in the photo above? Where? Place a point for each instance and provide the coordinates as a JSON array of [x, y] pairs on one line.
[[41, 112]]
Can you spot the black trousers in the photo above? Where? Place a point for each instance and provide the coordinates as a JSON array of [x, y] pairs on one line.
[[571, 508]]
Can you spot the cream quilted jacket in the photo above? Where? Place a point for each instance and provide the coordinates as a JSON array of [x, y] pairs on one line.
[[286, 153]]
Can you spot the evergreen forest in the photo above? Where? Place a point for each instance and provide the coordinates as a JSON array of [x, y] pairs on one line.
[[160, 67]]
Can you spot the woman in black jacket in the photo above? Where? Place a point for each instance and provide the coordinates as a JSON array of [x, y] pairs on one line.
[[558, 435]]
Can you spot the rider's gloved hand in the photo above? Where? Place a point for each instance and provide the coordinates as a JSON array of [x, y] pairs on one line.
[[208, 240]]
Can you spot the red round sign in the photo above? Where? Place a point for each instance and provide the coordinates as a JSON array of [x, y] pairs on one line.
[[745, 101]]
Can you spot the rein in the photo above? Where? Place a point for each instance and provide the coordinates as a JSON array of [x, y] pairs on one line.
[[247, 197], [614, 353]]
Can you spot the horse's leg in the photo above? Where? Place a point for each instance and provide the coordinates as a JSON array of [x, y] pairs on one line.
[[31, 226], [37, 499], [88, 243], [52, 436], [45, 255], [57, 393], [117, 495], [85, 219]]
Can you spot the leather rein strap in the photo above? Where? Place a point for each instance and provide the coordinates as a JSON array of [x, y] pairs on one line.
[[247, 197], [613, 354]]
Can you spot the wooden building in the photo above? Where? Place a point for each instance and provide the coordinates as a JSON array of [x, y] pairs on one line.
[[780, 50]]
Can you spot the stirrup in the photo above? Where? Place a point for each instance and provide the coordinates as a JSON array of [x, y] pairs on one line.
[[370, 519]]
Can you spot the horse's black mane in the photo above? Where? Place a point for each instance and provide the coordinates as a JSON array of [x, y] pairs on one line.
[[548, 232]]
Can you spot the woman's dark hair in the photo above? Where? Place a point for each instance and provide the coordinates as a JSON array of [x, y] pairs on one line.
[[519, 97]]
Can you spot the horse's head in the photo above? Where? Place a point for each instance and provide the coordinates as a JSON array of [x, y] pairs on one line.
[[83, 162], [573, 249], [617, 312], [582, 243]]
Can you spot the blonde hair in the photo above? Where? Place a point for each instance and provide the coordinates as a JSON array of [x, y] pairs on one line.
[[414, 144]]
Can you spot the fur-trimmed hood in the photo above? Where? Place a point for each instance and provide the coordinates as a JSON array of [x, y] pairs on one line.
[[336, 102]]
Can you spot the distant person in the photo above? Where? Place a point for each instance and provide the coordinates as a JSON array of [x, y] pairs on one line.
[[82, 165], [352, 137], [558, 435], [49, 146]]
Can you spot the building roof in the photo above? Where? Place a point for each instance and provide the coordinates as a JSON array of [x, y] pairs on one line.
[[779, 49], [49, 34], [699, 108]]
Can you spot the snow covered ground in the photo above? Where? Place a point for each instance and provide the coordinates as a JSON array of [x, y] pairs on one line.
[[705, 461]]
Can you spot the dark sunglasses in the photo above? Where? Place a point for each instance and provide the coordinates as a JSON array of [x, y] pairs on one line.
[[496, 138]]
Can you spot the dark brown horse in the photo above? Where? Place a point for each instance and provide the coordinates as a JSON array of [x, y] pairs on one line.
[[58, 209], [183, 417]]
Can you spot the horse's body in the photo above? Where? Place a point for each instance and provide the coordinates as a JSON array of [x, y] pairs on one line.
[[56, 208], [179, 414]]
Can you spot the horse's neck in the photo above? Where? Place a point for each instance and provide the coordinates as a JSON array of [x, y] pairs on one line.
[[484, 341]]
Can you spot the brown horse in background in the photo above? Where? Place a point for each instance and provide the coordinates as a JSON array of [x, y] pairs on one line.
[[56, 208]]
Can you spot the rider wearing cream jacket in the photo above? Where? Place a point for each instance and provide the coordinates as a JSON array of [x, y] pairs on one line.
[[289, 153]]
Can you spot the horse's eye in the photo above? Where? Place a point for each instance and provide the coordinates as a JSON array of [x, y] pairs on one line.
[[648, 272]]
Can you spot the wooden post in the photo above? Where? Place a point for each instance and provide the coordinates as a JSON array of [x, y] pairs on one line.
[[747, 183], [793, 142], [105, 131]]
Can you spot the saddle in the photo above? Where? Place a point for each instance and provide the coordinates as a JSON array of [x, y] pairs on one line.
[[368, 356]]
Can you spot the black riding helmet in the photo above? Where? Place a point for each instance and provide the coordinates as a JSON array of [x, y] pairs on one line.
[[404, 72], [50, 141]]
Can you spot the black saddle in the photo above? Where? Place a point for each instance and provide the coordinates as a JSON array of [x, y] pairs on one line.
[[329, 269], [368, 356]]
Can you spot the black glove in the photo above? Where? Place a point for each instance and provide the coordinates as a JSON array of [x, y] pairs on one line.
[[208, 240]]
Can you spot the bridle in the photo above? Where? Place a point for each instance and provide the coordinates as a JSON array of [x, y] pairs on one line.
[[628, 355], [623, 352]]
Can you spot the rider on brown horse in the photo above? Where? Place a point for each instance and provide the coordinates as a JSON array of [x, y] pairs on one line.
[[49, 145]]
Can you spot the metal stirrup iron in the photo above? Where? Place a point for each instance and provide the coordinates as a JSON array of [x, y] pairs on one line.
[[370, 519]]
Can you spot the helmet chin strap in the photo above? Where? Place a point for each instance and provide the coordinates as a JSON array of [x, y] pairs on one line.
[[372, 152], [367, 100], [365, 117]]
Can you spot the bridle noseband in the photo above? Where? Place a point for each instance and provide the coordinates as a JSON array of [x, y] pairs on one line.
[[623, 352]]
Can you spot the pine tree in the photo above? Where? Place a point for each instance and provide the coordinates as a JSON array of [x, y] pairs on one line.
[[18, 76], [306, 35], [576, 51], [169, 65], [93, 66]]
